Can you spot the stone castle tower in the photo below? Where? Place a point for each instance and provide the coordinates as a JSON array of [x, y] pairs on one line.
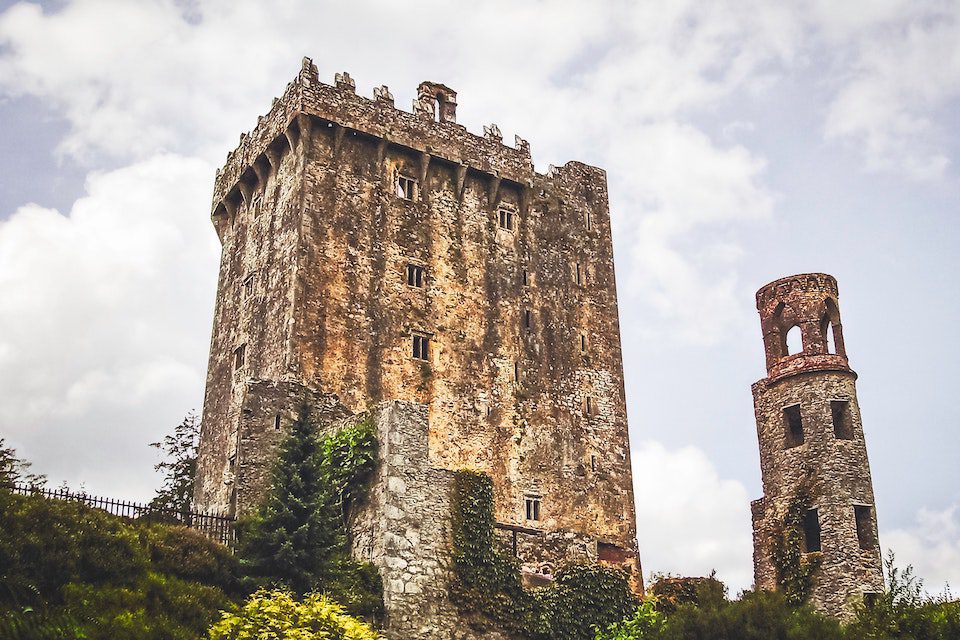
[[813, 456], [377, 260]]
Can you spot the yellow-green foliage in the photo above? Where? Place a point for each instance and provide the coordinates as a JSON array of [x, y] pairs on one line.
[[276, 615]]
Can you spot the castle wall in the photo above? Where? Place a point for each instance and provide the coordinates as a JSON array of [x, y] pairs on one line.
[[524, 376]]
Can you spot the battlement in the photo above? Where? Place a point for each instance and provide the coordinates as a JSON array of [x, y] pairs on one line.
[[430, 128]]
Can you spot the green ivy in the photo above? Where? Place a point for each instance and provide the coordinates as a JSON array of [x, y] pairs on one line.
[[794, 569], [487, 587]]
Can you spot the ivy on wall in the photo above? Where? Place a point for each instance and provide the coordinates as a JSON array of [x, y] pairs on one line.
[[795, 569], [487, 587]]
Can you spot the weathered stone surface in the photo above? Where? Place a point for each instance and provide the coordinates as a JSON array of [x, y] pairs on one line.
[[832, 459], [523, 377]]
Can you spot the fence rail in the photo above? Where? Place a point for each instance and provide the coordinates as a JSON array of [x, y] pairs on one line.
[[216, 527]]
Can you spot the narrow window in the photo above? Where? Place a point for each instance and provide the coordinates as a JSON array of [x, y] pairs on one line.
[[505, 218], [831, 340], [516, 372], [248, 285], [588, 406], [589, 220], [415, 275], [532, 507], [794, 341], [526, 278], [793, 424], [593, 463], [583, 343], [406, 187], [579, 274], [842, 424], [811, 531], [864, 517], [421, 347], [233, 460], [276, 422], [526, 319], [255, 205], [239, 357]]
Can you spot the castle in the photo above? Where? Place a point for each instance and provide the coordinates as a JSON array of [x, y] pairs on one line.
[[813, 456], [392, 266]]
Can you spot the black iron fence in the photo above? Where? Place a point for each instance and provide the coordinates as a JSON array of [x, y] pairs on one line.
[[216, 527]]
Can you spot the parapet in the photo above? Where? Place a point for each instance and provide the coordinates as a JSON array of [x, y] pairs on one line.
[[430, 129], [807, 304]]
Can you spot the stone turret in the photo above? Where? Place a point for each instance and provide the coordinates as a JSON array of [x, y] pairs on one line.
[[813, 456]]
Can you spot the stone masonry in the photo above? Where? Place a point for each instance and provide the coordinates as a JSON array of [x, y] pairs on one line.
[[371, 255], [810, 434]]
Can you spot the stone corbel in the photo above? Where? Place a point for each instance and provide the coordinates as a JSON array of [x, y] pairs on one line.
[[424, 167], [461, 180], [381, 150], [494, 193]]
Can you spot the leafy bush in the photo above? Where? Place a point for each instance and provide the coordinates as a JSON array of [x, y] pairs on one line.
[[72, 571], [646, 622], [276, 614]]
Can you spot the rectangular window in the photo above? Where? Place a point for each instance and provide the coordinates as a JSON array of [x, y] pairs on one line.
[[588, 406], [842, 424], [415, 275], [526, 319], [532, 507], [248, 285], [864, 517], [793, 426], [505, 218], [406, 187], [593, 463], [421, 347], [239, 357], [516, 372], [526, 278], [589, 221], [583, 343], [578, 274], [276, 422], [811, 531]]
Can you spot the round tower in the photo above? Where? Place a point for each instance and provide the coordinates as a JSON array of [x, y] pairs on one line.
[[815, 529]]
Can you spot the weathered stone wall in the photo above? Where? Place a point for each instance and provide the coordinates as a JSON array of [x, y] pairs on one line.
[[835, 468], [404, 527], [308, 204]]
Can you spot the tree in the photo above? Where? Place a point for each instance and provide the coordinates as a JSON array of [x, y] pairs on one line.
[[179, 467], [14, 470], [295, 529], [276, 614]]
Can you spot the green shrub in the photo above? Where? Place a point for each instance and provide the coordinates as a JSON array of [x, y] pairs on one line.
[[188, 554], [276, 614]]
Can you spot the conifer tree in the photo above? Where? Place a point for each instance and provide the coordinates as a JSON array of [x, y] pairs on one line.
[[296, 531]]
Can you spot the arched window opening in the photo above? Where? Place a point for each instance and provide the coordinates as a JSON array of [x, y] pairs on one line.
[[828, 336], [794, 341], [437, 107]]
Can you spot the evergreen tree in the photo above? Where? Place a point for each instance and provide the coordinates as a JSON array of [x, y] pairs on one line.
[[180, 466], [297, 530], [13, 470]]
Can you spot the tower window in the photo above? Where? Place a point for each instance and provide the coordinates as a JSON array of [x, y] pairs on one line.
[[239, 357], [589, 220], [532, 507], [579, 274], [527, 319], [842, 424], [506, 218], [593, 463], [811, 531], [525, 278], [583, 343], [421, 347], [864, 517], [276, 422], [415, 275], [406, 187], [793, 424], [588, 406], [516, 372], [248, 285]]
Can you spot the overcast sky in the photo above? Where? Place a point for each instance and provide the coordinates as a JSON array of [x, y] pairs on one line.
[[744, 141]]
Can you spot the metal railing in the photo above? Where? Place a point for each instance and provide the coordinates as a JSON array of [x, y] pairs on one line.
[[219, 528]]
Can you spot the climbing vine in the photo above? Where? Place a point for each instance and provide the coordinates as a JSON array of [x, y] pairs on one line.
[[487, 588], [795, 569]]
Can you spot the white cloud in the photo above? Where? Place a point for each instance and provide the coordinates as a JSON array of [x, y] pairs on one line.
[[689, 520], [932, 545], [105, 315]]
